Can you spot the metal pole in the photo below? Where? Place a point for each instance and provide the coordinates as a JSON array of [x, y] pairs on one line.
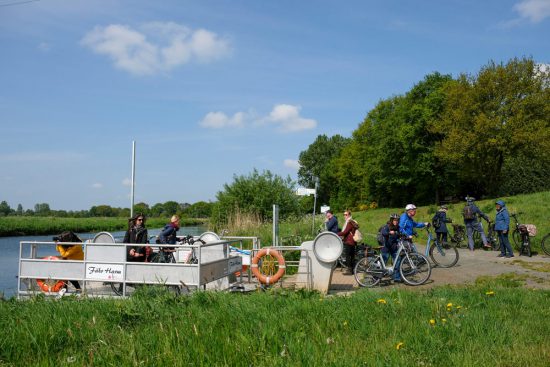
[[314, 204], [133, 177]]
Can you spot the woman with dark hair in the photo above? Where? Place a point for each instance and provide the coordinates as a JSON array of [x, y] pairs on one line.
[[347, 233], [136, 233]]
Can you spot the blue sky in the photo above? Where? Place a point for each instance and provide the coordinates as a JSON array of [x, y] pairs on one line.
[[209, 89]]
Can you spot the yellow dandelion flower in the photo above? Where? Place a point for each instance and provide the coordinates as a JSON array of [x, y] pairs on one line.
[[443, 320], [458, 307], [490, 293], [381, 300], [449, 305], [432, 322], [399, 345]]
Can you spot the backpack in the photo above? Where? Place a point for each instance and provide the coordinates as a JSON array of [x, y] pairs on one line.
[[436, 221], [357, 236], [380, 237], [468, 212]]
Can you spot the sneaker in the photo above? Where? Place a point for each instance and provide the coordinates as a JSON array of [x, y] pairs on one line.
[[508, 256], [486, 245], [501, 255], [398, 280]]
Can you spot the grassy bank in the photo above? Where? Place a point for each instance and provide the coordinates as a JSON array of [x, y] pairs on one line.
[[25, 226], [487, 324]]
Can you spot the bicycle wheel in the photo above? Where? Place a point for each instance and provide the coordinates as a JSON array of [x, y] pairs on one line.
[[545, 244], [117, 288], [415, 269], [368, 272], [516, 237], [443, 255]]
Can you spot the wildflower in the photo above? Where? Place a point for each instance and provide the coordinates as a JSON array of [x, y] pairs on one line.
[[449, 305], [381, 300], [330, 341], [432, 322], [399, 345], [443, 320], [345, 323], [458, 307], [490, 293]]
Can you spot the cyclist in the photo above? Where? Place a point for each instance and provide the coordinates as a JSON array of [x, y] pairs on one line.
[[168, 236], [502, 225], [391, 235], [347, 233], [439, 222], [407, 224], [136, 233], [470, 214]]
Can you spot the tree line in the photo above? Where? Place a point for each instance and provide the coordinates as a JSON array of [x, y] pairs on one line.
[[199, 209], [485, 135]]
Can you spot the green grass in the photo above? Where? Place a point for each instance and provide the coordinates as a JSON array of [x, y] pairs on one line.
[[24, 226], [487, 324]]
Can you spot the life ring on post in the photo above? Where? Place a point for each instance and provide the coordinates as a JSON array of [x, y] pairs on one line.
[[49, 285], [264, 279]]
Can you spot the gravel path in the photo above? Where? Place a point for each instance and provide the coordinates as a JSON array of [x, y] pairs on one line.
[[534, 272]]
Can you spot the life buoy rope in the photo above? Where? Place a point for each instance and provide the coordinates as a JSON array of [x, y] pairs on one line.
[[49, 285], [265, 279]]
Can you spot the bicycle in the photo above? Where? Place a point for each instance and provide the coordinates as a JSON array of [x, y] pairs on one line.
[[442, 254], [361, 252], [459, 235], [414, 268], [520, 236], [491, 237]]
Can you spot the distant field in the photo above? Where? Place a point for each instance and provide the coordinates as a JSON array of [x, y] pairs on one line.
[[25, 226]]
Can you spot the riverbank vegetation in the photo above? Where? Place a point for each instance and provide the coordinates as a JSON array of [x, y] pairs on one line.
[[25, 226], [493, 323]]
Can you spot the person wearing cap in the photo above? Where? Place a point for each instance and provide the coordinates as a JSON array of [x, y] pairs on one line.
[[502, 226], [407, 223], [439, 222], [331, 222], [473, 224]]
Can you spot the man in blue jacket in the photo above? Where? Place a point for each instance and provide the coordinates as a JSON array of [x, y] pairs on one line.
[[470, 214], [331, 222], [502, 226], [406, 222]]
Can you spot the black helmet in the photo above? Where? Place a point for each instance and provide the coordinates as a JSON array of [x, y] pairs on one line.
[[470, 199], [394, 216]]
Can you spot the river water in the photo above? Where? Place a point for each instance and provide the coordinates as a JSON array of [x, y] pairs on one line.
[[9, 259]]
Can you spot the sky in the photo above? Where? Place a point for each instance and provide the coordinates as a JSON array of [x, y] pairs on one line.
[[215, 88]]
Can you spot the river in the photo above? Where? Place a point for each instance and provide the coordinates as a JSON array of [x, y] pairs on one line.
[[9, 261]]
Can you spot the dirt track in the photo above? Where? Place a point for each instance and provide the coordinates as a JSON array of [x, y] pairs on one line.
[[534, 272]]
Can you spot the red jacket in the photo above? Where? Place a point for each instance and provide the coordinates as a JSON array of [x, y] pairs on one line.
[[347, 234]]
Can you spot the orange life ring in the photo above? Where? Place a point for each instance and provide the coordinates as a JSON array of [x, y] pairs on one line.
[[49, 285], [256, 271]]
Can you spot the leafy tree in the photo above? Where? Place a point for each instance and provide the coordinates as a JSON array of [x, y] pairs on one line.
[[102, 211], [500, 113], [315, 162], [19, 210], [256, 194], [201, 209], [42, 209], [5, 208], [141, 208], [171, 208]]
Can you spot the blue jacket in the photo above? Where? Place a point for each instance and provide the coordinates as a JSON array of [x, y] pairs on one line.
[[332, 225], [168, 234], [390, 241], [502, 220], [407, 224], [442, 215]]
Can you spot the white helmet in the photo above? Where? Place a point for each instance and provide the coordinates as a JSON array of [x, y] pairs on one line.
[[410, 207]]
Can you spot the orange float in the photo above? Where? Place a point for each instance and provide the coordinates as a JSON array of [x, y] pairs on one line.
[[264, 279], [48, 285]]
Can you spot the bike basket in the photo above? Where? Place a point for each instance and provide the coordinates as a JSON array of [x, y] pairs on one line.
[[531, 229]]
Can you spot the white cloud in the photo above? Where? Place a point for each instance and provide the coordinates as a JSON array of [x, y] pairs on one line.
[[219, 120], [97, 185], [289, 120], [155, 47], [292, 163], [534, 10], [126, 182], [285, 117]]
